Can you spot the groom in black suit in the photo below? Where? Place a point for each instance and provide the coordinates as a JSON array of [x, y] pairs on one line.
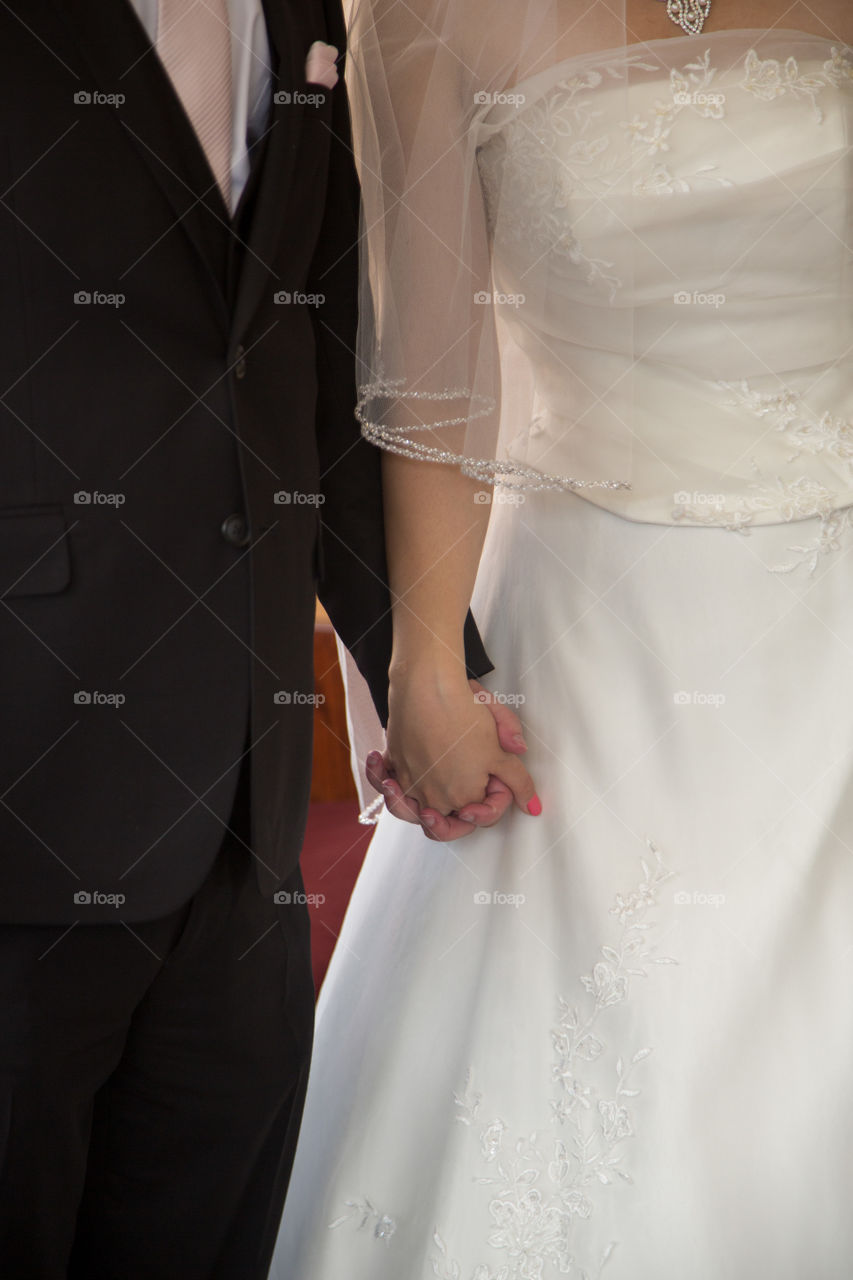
[[179, 471]]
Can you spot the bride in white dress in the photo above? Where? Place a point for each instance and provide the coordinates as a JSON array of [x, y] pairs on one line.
[[616, 1038]]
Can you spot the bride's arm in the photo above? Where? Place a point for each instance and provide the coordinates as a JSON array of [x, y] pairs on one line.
[[430, 381], [442, 743]]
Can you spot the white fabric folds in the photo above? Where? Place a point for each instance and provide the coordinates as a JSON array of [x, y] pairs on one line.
[[616, 269]]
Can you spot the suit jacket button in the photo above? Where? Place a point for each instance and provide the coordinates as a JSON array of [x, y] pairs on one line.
[[236, 531], [240, 362]]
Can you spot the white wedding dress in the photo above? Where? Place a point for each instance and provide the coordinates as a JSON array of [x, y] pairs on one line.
[[618, 1039]]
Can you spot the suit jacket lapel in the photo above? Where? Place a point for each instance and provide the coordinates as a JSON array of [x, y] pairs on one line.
[[116, 49], [272, 178]]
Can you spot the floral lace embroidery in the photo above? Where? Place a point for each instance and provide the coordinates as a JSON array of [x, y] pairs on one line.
[[517, 163], [768, 78], [798, 499], [544, 1184], [517, 166], [362, 1213], [689, 88], [536, 192], [813, 433]]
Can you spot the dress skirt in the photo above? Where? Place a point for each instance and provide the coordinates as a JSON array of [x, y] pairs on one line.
[[616, 1039]]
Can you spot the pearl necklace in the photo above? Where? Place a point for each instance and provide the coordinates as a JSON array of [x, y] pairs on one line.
[[690, 15]]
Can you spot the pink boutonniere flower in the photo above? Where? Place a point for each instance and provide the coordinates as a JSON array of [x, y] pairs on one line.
[[321, 65]]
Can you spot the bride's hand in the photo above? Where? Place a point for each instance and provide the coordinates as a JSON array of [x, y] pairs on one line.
[[442, 744]]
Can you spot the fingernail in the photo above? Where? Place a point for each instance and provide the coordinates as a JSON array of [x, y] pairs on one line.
[[535, 807], [465, 817], [373, 757], [428, 819], [387, 784], [518, 740]]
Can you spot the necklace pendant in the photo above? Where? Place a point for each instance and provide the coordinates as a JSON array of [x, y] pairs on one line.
[[690, 15]]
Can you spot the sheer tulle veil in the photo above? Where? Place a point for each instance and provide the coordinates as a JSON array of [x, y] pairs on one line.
[[492, 337], [433, 85]]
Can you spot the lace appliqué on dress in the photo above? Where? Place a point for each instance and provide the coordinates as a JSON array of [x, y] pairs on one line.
[[361, 1213], [795, 500], [690, 90], [545, 1184], [800, 499], [769, 78], [809, 431], [519, 175]]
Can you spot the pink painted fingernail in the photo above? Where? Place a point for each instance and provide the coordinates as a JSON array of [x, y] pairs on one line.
[[535, 807], [518, 740], [428, 819], [465, 817]]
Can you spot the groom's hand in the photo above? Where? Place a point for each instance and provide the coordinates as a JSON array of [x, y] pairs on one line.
[[483, 814]]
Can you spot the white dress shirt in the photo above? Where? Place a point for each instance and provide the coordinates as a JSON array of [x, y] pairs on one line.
[[251, 78]]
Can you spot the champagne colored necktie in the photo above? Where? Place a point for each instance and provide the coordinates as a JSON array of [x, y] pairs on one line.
[[194, 44]]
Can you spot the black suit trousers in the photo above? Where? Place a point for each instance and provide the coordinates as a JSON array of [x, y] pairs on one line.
[[152, 1079]]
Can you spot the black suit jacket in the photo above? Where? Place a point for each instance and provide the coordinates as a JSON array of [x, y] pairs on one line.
[[162, 448]]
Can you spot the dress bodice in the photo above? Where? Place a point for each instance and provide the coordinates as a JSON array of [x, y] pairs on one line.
[[672, 241]]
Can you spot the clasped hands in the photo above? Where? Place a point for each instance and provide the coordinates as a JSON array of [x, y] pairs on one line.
[[452, 760]]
